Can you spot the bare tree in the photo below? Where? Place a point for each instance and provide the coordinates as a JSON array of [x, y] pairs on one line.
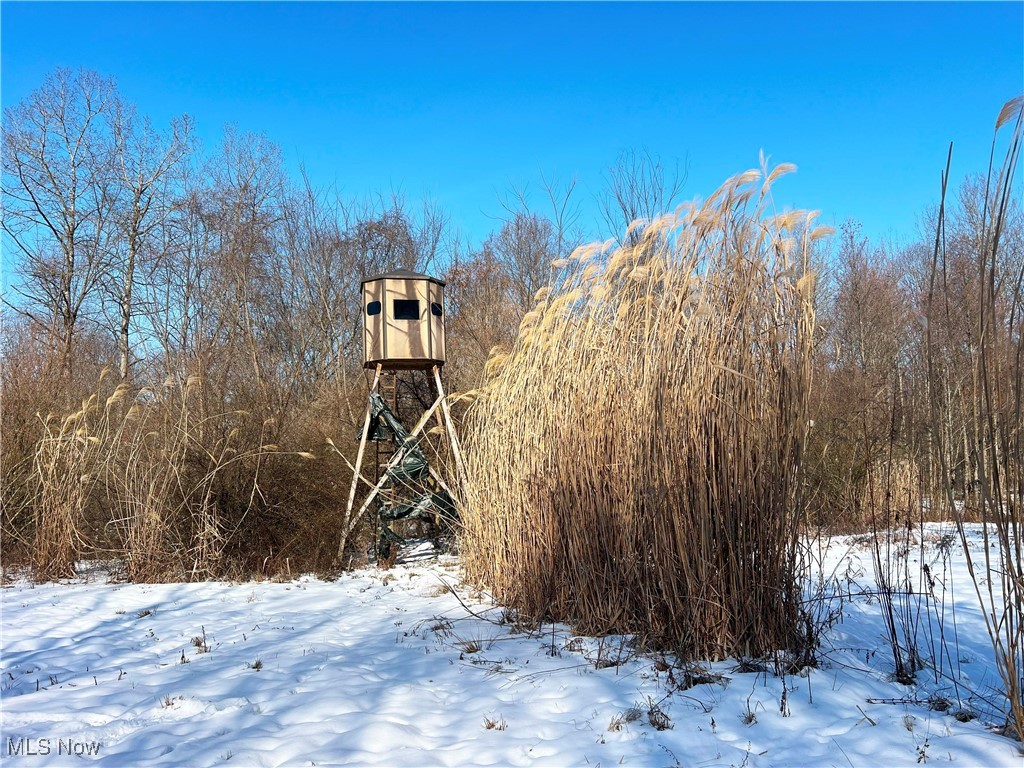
[[529, 240], [432, 234], [560, 209], [525, 246], [59, 192], [384, 237], [481, 315], [248, 189], [172, 292], [146, 162], [319, 261], [639, 186]]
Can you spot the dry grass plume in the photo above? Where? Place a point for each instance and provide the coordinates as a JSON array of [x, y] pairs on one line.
[[633, 461]]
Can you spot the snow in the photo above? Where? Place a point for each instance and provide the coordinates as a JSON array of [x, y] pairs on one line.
[[409, 667]]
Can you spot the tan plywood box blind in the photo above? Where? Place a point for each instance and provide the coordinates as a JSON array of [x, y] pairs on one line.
[[403, 321]]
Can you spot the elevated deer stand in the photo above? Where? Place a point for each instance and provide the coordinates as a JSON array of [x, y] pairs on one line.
[[403, 330]]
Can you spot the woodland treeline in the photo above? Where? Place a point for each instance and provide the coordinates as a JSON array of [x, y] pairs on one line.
[[181, 377]]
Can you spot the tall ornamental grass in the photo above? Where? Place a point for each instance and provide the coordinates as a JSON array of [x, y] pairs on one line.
[[633, 461], [147, 479]]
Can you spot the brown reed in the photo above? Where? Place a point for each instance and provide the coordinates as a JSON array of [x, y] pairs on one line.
[[633, 461], [141, 477]]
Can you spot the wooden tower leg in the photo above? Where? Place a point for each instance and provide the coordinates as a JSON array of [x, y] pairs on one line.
[[460, 467], [355, 473]]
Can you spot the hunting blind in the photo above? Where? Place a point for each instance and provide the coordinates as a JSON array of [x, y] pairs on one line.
[[403, 321], [403, 330]]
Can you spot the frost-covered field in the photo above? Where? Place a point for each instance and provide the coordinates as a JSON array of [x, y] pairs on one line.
[[392, 668]]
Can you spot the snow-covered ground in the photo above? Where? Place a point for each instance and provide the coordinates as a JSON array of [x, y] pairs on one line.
[[407, 667]]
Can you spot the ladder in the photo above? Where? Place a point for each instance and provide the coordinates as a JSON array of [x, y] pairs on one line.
[[388, 389]]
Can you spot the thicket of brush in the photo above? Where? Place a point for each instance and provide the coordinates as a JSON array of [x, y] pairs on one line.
[[167, 489], [634, 464]]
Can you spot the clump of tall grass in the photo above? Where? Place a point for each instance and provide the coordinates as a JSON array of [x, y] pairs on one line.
[[156, 490], [633, 461], [63, 476], [994, 399], [126, 459], [150, 478]]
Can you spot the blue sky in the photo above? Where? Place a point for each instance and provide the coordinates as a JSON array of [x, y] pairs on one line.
[[459, 102]]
